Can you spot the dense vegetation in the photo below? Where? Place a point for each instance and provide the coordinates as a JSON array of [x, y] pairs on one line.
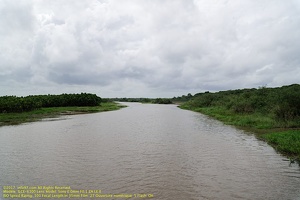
[[280, 105], [263, 110], [40, 113], [9, 104], [183, 98], [287, 142], [144, 100]]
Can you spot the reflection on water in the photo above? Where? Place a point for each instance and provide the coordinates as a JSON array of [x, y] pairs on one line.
[[158, 149]]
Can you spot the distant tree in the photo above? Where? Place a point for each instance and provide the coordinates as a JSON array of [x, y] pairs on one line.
[[21, 104]]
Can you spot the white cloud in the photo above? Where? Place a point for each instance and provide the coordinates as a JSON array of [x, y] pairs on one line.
[[147, 48]]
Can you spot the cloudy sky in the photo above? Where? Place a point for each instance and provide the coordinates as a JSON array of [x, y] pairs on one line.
[[147, 48]]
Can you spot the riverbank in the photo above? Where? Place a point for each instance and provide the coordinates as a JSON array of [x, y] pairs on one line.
[[285, 140], [38, 114]]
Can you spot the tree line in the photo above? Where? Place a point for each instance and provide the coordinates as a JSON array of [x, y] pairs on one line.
[[281, 103], [10, 104], [144, 100]]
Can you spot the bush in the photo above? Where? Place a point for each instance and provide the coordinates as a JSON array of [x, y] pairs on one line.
[[20, 104], [162, 101], [282, 105], [288, 105]]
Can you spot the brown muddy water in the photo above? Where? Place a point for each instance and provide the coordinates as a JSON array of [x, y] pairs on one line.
[[146, 149]]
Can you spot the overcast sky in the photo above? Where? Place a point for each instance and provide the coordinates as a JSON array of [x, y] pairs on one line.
[[147, 48]]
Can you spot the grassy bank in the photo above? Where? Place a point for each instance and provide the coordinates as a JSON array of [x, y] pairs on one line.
[[273, 114], [35, 115], [254, 120], [284, 140]]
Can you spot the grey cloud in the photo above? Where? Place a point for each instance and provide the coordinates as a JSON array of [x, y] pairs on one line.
[[21, 75], [78, 79], [156, 47], [120, 22], [16, 16]]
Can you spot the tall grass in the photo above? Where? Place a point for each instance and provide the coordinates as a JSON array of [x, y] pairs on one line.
[[254, 120], [30, 116], [263, 110], [286, 142]]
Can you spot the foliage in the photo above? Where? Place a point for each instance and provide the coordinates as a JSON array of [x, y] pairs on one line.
[[10, 104], [263, 110], [162, 101], [287, 142], [281, 105], [34, 115], [183, 98], [144, 100]]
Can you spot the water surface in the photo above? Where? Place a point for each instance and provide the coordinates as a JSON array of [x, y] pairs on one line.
[[157, 149]]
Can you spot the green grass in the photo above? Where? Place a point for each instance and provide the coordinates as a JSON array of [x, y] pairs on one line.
[[254, 120], [284, 140], [35, 115]]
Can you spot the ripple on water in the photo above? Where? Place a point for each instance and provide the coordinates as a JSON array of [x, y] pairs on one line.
[[159, 149]]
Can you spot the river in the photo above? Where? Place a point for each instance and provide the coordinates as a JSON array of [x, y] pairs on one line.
[[157, 150]]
